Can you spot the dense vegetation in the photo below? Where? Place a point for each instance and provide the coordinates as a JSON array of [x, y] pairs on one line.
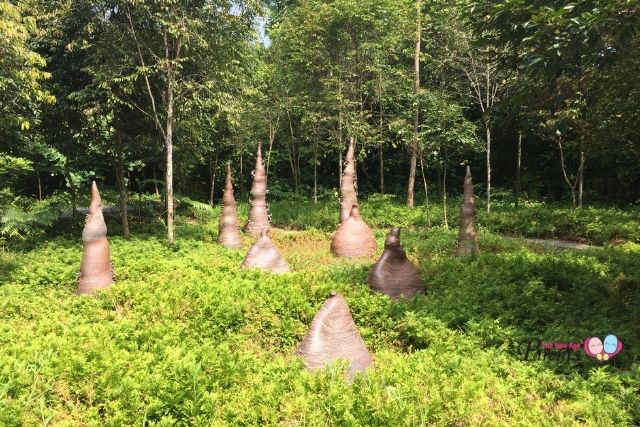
[[188, 337], [539, 97], [153, 98]]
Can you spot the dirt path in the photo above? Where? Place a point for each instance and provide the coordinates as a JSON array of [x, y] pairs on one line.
[[555, 244]]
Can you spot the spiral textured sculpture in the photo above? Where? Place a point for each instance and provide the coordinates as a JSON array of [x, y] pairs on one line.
[[467, 244], [348, 196], [264, 255], [96, 271], [353, 238], [394, 274], [333, 335], [258, 215], [228, 231]]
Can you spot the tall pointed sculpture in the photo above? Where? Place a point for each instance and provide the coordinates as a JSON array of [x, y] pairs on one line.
[[264, 255], [258, 215], [228, 231], [348, 196], [394, 274], [353, 238], [333, 335], [467, 244], [96, 271]]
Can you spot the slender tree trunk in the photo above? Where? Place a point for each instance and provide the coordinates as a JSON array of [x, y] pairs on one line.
[[426, 191], [212, 173], [518, 169], [169, 177], [340, 145], [572, 186], [488, 129], [155, 181], [122, 186], [39, 185], [74, 195], [272, 137], [381, 145], [413, 148], [315, 171], [292, 154], [581, 175], [444, 194]]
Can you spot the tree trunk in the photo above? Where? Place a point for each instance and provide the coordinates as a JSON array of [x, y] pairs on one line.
[[381, 144], [581, 175], [169, 177], [155, 181], [74, 196], [488, 129], [315, 171], [292, 154], [518, 169], [572, 186], [413, 148], [426, 191], [39, 185], [444, 194], [212, 173], [272, 137], [122, 186]]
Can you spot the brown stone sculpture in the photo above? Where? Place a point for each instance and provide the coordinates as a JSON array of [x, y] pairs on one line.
[[333, 335], [348, 196], [394, 274], [258, 215], [467, 244], [96, 271], [228, 231], [353, 238], [264, 255]]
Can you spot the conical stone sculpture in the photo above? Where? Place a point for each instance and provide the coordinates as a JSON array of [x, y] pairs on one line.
[[348, 196], [353, 238], [264, 255], [333, 335], [258, 215], [467, 244], [96, 271], [228, 231], [394, 274]]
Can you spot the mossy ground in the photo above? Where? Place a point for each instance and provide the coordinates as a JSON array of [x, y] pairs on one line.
[[187, 337]]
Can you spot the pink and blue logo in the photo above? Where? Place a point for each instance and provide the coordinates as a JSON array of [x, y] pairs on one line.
[[602, 350]]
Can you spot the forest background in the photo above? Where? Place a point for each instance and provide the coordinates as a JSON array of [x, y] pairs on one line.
[[541, 98]]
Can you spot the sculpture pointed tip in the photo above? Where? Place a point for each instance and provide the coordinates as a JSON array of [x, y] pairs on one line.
[[468, 172], [96, 200]]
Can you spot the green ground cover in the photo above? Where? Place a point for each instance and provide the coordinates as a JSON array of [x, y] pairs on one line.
[[187, 337]]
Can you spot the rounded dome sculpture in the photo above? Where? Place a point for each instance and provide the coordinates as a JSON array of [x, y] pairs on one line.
[[228, 231], [96, 270], [264, 255], [394, 274], [467, 244], [353, 238], [258, 213], [333, 335]]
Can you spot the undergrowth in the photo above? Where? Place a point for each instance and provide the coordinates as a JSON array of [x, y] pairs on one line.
[[187, 337]]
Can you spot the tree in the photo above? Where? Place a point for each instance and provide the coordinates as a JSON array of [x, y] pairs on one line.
[[175, 41]]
